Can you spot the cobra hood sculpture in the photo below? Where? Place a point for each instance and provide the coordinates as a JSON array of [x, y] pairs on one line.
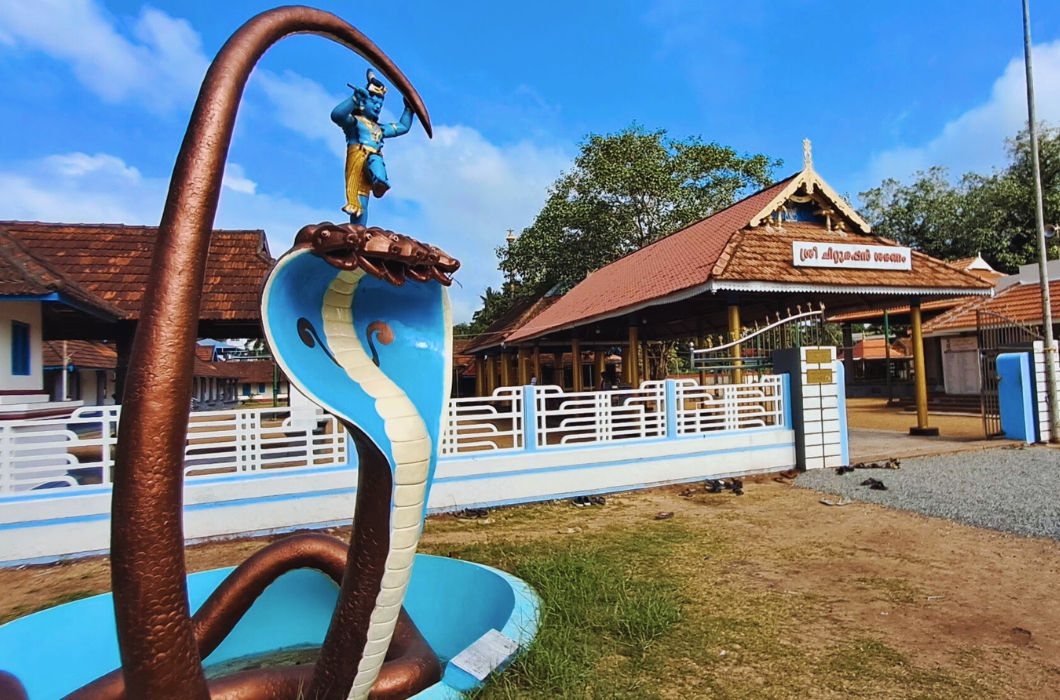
[[376, 352], [359, 320]]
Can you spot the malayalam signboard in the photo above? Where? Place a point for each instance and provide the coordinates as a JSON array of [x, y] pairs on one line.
[[849, 256]]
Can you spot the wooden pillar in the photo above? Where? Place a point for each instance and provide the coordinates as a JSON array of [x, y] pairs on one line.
[[491, 375], [537, 364], [600, 366], [645, 366], [737, 350], [506, 368], [700, 344], [124, 340], [524, 366], [480, 376], [634, 362], [920, 372], [848, 350], [576, 364]]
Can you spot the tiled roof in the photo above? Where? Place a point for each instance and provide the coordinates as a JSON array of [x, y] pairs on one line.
[[252, 371], [725, 248], [112, 262], [677, 262], [876, 349], [83, 354], [877, 314], [522, 312], [764, 254], [91, 354], [24, 274], [1019, 302]]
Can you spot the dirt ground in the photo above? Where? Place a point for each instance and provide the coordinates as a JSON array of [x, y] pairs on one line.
[[875, 414], [977, 605]]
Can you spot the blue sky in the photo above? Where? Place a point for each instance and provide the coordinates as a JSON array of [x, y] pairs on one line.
[[95, 95]]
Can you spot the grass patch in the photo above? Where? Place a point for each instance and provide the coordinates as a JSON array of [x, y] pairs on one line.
[[894, 590], [606, 602], [23, 610], [676, 609], [864, 667]]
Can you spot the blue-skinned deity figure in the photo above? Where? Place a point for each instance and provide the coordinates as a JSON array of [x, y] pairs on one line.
[[358, 116]]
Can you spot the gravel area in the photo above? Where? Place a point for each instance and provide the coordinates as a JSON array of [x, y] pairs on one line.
[[1012, 489]]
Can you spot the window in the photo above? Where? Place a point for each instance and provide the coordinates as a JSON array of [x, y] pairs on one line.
[[261, 388], [19, 349], [246, 390]]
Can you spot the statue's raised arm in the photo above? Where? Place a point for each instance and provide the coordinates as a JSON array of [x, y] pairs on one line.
[[358, 116]]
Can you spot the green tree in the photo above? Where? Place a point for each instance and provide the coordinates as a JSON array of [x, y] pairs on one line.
[[494, 303], [992, 215], [624, 191]]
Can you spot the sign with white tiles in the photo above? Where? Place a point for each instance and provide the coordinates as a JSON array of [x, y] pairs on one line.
[[848, 256], [820, 404], [1041, 396]]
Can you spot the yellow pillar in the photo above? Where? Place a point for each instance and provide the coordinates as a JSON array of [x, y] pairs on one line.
[[524, 366], [645, 366], [506, 368], [491, 375], [576, 364], [537, 363], [920, 375], [700, 344], [480, 376], [600, 365], [634, 362], [737, 350]]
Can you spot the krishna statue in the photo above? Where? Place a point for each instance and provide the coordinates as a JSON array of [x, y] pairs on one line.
[[358, 115]]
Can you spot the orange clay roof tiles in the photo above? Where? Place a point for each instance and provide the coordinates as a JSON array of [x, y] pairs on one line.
[[1019, 302], [24, 274], [677, 262], [877, 314], [724, 248], [761, 254], [83, 354], [112, 261], [876, 349], [91, 354], [521, 312]]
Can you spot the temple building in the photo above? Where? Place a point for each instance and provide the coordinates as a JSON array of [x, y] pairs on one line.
[[778, 253], [86, 282]]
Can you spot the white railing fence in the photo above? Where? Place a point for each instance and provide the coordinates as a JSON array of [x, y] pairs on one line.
[[79, 450], [546, 417], [757, 403], [487, 424], [598, 416]]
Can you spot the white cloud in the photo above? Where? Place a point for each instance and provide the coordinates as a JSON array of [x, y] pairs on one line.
[[458, 191], [304, 106], [235, 180], [102, 188], [975, 141], [77, 187], [463, 193], [78, 164], [161, 64]]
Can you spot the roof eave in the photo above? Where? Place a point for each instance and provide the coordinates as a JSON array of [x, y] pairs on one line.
[[749, 286]]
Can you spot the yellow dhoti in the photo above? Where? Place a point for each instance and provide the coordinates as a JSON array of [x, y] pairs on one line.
[[357, 183]]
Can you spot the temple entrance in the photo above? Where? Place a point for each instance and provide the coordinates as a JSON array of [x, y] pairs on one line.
[[997, 334], [727, 360]]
